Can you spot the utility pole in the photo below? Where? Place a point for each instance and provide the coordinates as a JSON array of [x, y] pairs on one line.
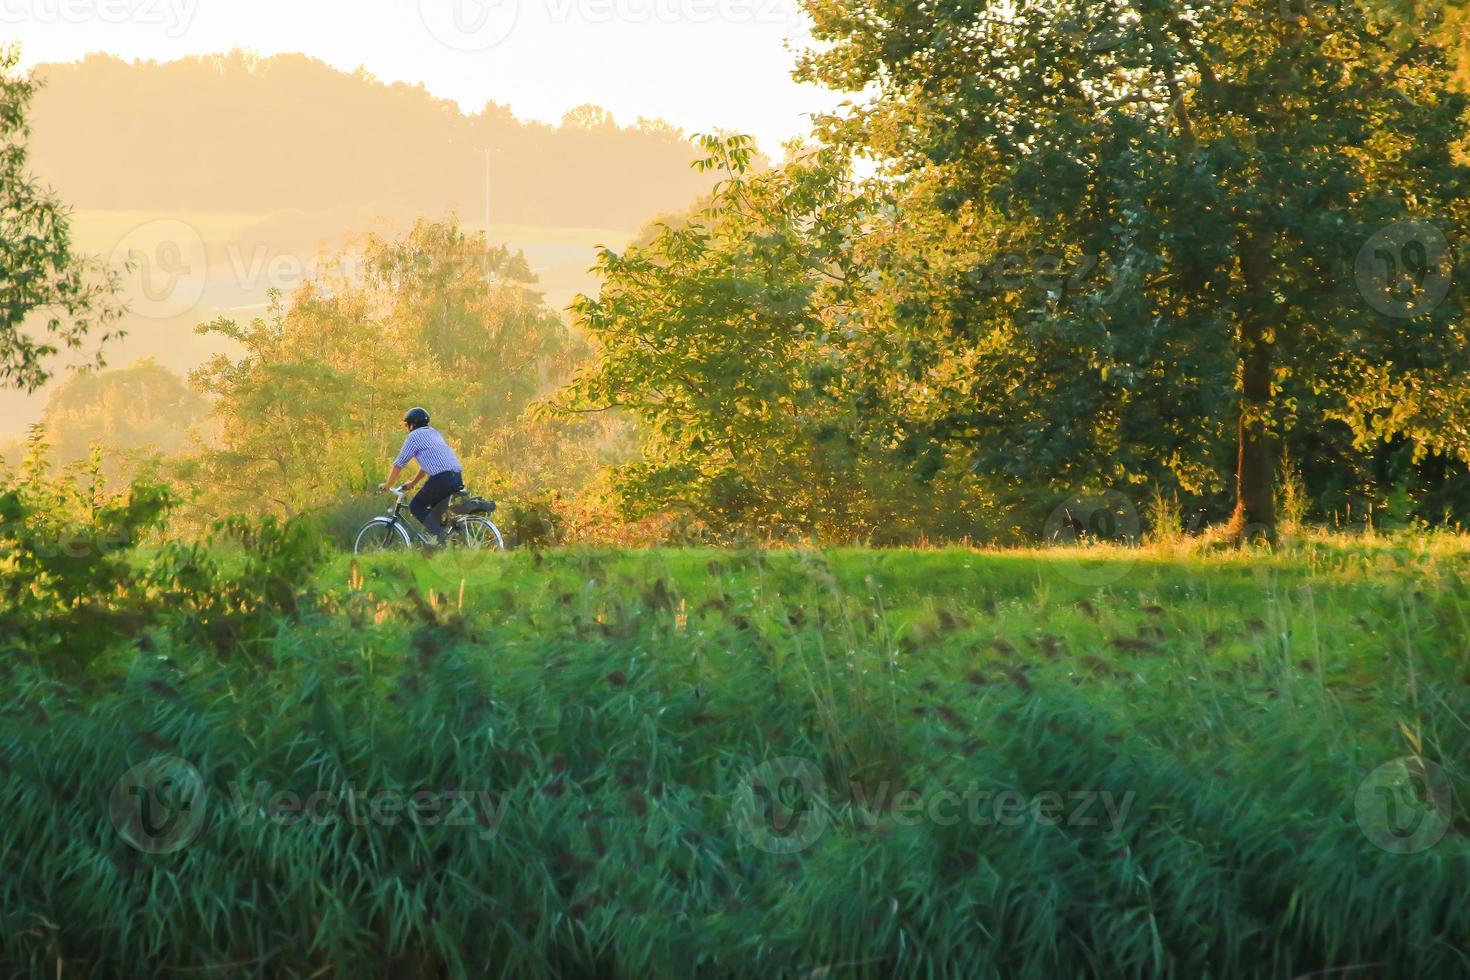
[[487, 193]]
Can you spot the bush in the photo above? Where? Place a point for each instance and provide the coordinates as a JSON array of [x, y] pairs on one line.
[[534, 521], [68, 581], [69, 592], [339, 522], [244, 583], [75, 586]]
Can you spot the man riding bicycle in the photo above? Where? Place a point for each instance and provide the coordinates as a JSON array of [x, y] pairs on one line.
[[438, 463]]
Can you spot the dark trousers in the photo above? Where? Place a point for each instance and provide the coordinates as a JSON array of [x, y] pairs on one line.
[[429, 504]]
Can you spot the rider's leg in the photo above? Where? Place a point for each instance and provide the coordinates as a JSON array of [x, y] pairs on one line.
[[429, 504], [434, 520]]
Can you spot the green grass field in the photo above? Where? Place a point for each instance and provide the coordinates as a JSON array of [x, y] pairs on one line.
[[847, 763]]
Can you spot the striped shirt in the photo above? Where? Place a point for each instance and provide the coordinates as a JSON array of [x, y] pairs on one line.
[[433, 454]]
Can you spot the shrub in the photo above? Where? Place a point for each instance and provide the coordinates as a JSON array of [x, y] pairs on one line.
[[75, 586], [339, 522], [240, 586], [68, 581], [534, 521]]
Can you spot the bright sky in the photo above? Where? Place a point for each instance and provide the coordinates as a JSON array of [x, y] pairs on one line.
[[700, 64]]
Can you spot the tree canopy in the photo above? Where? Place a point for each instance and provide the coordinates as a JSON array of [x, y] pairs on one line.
[[311, 409], [51, 298], [1136, 246], [143, 408]]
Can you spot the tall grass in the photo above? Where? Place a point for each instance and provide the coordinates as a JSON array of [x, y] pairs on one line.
[[615, 706]]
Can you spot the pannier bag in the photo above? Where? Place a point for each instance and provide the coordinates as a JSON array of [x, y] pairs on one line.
[[472, 505]]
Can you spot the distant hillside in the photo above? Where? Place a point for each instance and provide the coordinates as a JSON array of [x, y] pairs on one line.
[[238, 133]]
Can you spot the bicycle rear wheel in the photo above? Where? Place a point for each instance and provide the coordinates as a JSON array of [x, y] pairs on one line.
[[380, 535], [478, 534]]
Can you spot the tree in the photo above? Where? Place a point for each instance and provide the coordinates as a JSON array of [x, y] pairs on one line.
[[730, 333], [588, 116], [144, 407], [50, 298], [1272, 186], [312, 410]]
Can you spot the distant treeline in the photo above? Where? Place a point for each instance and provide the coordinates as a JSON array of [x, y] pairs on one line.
[[237, 133]]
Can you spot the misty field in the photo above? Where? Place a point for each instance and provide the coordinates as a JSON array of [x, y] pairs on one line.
[[840, 763]]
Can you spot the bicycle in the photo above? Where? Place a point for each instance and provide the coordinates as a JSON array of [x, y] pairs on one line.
[[465, 521]]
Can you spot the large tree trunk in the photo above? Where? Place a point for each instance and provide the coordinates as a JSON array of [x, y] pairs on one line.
[[1255, 468]]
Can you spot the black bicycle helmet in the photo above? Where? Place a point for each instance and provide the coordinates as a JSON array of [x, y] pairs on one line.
[[417, 417]]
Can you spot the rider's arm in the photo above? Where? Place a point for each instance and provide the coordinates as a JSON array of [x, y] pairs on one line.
[[392, 480], [404, 455]]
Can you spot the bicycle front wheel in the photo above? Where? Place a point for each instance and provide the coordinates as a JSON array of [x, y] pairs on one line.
[[478, 533], [381, 535]]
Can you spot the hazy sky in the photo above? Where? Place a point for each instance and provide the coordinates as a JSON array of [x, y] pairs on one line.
[[697, 63]]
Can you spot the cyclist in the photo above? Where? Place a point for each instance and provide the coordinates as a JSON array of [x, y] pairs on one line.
[[438, 463]]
